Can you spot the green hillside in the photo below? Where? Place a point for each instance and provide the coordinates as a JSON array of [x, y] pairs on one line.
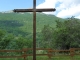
[[23, 22], [16, 31]]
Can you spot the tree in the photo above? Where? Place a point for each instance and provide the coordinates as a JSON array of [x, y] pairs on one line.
[[2, 34], [47, 36], [5, 38], [67, 34]]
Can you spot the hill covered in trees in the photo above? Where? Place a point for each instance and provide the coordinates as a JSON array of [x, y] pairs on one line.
[[52, 32], [24, 21]]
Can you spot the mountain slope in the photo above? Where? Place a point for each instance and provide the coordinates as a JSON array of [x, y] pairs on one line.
[[23, 22]]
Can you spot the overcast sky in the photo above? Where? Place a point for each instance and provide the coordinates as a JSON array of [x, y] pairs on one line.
[[64, 8]]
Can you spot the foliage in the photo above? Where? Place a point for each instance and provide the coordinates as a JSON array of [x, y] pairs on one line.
[[22, 24], [67, 34], [52, 32], [47, 36], [10, 41]]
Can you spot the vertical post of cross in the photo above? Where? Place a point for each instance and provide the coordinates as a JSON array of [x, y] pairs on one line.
[[34, 10], [34, 30]]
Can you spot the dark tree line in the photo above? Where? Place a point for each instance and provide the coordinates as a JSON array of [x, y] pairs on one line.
[[66, 34]]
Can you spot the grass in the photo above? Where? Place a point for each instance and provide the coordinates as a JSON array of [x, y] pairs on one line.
[[45, 58]]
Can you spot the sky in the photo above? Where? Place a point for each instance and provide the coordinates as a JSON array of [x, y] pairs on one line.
[[64, 8]]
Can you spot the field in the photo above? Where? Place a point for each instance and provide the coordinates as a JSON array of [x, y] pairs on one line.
[[46, 58], [45, 54]]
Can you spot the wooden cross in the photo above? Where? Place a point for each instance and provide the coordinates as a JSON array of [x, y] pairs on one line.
[[34, 10]]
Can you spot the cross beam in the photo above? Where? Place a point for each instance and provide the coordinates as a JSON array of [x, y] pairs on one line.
[[31, 10], [34, 10]]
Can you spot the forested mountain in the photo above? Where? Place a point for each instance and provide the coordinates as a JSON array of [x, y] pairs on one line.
[[24, 21], [16, 31]]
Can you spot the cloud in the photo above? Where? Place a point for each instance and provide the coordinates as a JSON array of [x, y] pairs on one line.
[[47, 4], [74, 10], [68, 8], [64, 8], [78, 16]]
